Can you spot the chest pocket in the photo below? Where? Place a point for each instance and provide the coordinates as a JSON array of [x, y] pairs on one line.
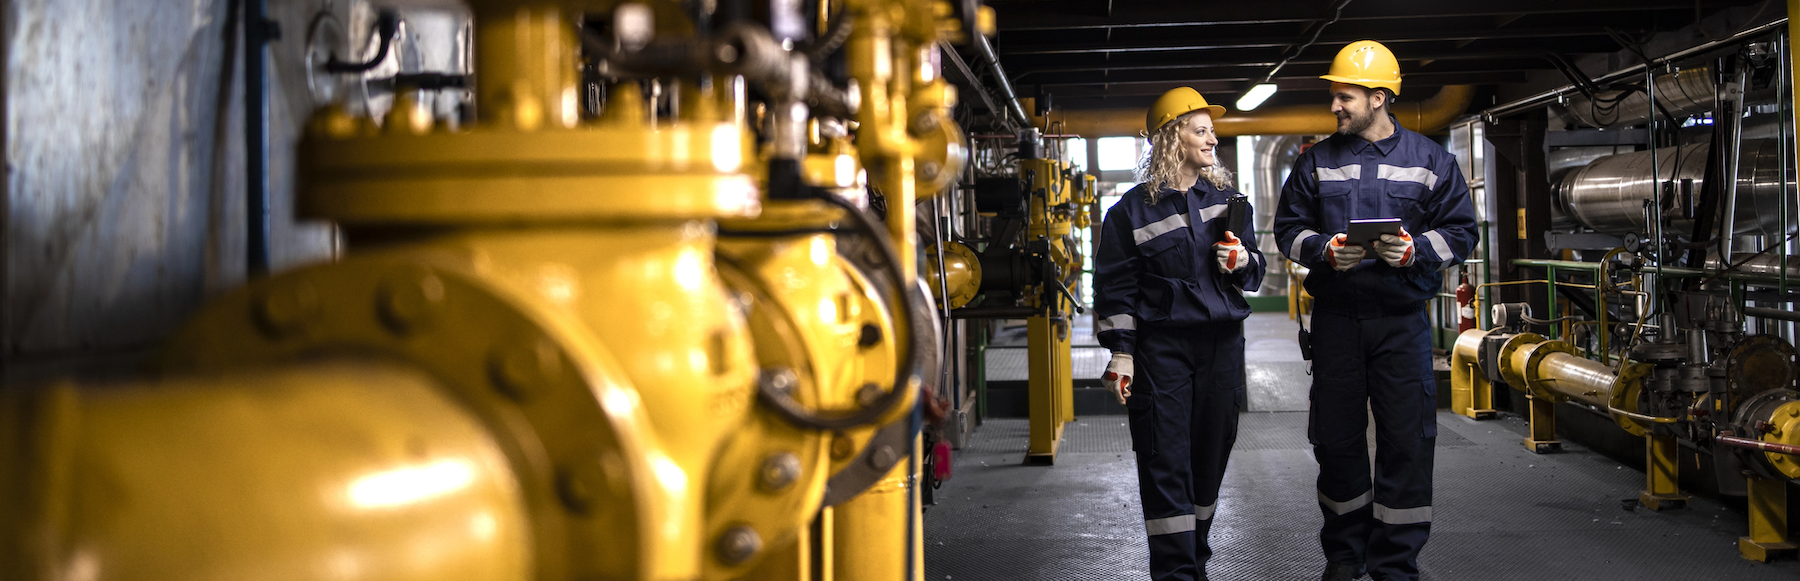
[[1169, 255], [1334, 206], [1402, 201]]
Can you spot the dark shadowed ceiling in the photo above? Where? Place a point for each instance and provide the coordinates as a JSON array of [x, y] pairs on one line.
[[1116, 54]]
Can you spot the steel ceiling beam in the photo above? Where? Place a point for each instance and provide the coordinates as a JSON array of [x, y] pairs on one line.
[[1081, 14]]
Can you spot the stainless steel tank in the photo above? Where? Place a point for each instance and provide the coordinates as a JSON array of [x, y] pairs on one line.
[[1608, 195]]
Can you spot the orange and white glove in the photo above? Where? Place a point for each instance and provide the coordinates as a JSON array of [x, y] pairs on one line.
[[1396, 250], [1343, 256], [1118, 376], [1230, 253]]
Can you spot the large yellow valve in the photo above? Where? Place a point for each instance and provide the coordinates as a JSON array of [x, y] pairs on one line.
[[541, 359]]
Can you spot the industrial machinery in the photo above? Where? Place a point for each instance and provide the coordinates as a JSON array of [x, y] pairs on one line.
[[627, 318], [1039, 209], [1651, 175]]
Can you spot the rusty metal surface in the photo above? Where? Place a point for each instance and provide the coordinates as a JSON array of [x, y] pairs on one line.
[[125, 186]]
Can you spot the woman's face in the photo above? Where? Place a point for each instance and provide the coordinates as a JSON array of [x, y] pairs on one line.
[[1198, 141]]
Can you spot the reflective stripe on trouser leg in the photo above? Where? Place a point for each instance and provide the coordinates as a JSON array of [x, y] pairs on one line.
[[1403, 397], [1338, 428], [1191, 432]]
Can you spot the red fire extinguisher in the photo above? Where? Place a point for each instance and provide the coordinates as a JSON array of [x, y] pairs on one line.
[[1465, 304]]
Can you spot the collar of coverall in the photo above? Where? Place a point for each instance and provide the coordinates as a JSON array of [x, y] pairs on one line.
[[1385, 146]]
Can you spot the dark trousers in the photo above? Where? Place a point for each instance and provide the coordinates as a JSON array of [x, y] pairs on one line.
[[1184, 409], [1382, 365]]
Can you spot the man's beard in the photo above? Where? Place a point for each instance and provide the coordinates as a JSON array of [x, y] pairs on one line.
[[1355, 125]]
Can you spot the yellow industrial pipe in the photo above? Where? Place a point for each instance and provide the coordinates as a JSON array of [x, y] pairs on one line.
[[1428, 116]]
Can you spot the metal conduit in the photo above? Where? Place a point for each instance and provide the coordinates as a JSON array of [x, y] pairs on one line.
[[1746, 443]]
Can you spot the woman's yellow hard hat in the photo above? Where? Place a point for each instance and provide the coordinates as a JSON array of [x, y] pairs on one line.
[[1175, 103]]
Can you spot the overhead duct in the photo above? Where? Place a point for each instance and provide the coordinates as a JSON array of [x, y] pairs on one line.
[[1426, 116], [1682, 93], [1609, 194]]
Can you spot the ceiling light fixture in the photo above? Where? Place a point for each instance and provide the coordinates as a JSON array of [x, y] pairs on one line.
[[1254, 97]]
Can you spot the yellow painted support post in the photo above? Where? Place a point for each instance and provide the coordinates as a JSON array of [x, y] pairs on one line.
[[1768, 521], [1543, 426], [1662, 482], [1793, 10], [1048, 365], [875, 532], [827, 545], [1470, 392]]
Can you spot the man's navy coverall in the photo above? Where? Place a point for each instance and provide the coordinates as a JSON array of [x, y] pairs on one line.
[[1371, 336]]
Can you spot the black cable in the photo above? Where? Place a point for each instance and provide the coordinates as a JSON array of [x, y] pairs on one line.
[[1739, 264], [387, 24], [836, 33], [904, 372], [1337, 10]]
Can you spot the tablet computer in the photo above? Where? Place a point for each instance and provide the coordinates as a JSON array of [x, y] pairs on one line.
[[1364, 232]]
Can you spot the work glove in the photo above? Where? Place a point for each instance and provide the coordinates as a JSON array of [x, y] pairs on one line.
[[1343, 256], [1396, 250], [1230, 253], [1118, 376]]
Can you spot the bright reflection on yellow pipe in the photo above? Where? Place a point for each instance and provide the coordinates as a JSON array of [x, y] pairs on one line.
[[412, 484]]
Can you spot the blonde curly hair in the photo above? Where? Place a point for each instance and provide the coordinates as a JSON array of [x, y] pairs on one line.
[[1165, 156]]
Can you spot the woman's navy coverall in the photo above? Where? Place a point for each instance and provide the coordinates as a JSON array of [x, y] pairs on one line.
[[1159, 295], [1371, 336]]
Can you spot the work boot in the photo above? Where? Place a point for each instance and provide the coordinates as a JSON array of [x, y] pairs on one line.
[[1342, 572]]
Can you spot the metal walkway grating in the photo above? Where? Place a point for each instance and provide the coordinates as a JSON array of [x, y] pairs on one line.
[[1503, 514]]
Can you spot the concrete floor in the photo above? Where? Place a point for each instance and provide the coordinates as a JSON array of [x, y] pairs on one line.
[[1502, 513]]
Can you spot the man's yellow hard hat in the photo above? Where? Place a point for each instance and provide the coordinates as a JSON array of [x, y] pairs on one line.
[[1175, 103], [1366, 63]]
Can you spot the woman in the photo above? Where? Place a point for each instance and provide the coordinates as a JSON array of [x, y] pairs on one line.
[[1169, 280]]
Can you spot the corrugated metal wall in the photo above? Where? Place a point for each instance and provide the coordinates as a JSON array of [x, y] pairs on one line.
[[125, 189]]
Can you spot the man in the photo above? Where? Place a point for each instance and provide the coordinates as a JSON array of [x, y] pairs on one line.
[[1371, 333], [1168, 291]]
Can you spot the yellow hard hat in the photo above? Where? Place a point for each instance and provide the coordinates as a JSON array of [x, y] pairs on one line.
[[1366, 63], [1175, 103]]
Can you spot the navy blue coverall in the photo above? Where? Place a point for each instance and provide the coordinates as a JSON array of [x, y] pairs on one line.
[[1159, 295], [1371, 336]]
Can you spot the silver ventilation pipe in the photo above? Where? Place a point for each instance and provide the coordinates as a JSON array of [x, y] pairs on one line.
[[1608, 195]]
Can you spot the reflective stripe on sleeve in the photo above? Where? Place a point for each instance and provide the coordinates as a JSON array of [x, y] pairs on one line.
[[1294, 249], [1439, 245], [1349, 505], [1209, 213], [1417, 175], [1338, 174], [1402, 516], [1167, 526], [1158, 228], [1120, 322]]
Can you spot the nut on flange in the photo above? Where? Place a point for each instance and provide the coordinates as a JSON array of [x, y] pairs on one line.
[[409, 298], [737, 544]]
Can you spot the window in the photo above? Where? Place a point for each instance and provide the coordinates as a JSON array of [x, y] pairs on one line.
[[1119, 153], [1077, 153]]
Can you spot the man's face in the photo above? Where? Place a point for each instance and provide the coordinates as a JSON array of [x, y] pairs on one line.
[[1354, 107]]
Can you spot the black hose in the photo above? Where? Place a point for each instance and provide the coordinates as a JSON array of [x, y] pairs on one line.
[[387, 25], [835, 34], [904, 371]]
